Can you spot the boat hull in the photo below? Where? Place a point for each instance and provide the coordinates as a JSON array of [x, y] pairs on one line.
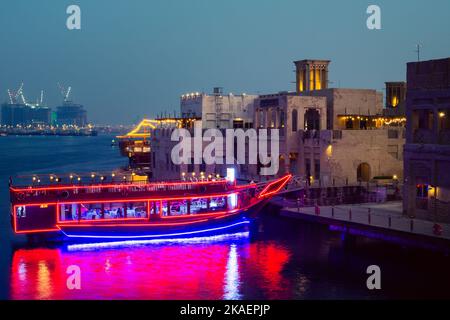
[[122, 211], [167, 229]]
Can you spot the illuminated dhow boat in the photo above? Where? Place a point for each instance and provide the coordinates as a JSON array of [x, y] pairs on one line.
[[120, 211]]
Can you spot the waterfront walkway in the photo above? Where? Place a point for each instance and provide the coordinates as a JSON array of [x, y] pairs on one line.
[[382, 216]]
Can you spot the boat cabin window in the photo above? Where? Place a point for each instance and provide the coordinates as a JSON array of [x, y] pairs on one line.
[[178, 208], [155, 207], [218, 204], [106, 211], [232, 201], [199, 206]]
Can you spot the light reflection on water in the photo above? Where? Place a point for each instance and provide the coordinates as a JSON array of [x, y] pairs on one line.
[[166, 271], [232, 276]]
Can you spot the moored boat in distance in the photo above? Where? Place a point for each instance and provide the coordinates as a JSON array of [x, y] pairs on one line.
[[137, 210]]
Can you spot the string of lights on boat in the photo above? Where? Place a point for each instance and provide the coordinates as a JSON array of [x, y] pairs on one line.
[[102, 177]]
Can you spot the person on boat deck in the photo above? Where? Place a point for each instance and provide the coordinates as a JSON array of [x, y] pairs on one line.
[[119, 213]]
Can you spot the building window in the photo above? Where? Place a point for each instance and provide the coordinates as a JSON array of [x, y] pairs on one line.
[[444, 126], [308, 167], [238, 124], [349, 123], [203, 166], [363, 124], [422, 126], [294, 120], [444, 119], [273, 119], [337, 134], [317, 169], [312, 119], [392, 134], [422, 193], [424, 119], [282, 119]]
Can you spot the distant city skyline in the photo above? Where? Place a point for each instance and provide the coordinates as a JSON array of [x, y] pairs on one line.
[[135, 59]]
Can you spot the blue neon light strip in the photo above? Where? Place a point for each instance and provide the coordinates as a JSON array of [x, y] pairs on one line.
[[98, 245], [156, 235]]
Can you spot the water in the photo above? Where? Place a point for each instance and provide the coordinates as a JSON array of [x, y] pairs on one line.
[[278, 259]]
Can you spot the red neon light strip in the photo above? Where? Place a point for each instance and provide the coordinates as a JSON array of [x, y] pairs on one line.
[[118, 185], [28, 231], [282, 181], [236, 211], [99, 221], [132, 224]]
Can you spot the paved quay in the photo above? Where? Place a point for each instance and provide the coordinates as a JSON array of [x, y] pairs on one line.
[[383, 216]]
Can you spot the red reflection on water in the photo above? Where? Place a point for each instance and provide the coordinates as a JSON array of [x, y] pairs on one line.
[[36, 274], [265, 263], [210, 271]]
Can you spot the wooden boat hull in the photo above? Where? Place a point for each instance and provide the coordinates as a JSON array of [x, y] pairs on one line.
[[117, 212], [163, 229]]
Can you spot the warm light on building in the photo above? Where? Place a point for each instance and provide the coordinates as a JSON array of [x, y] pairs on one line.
[[329, 151], [394, 101]]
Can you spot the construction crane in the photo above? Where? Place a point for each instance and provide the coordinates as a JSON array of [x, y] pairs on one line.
[[13, 95], [41, 100], [65, 92]]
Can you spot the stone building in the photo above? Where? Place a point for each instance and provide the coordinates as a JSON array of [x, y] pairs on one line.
[[207, 111], [356, 144], [332, 136], [219, 110], [328, 136], [427, 149]]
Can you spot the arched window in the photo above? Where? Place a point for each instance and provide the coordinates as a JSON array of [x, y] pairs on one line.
[[312, 119], [294, 119], [273, 119], [282, 119]]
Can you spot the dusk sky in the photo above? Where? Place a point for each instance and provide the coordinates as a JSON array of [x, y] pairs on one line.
[[134, 58]]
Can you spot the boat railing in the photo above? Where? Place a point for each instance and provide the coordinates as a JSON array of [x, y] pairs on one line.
[[66, 191]]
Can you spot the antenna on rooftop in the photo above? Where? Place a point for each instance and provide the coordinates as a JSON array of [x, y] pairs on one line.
[[418, 46]]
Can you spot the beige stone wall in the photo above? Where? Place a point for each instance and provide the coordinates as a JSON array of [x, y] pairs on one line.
[[233, 107], [383, 155]]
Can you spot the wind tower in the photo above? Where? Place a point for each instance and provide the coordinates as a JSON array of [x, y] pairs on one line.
[[311, 75]]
